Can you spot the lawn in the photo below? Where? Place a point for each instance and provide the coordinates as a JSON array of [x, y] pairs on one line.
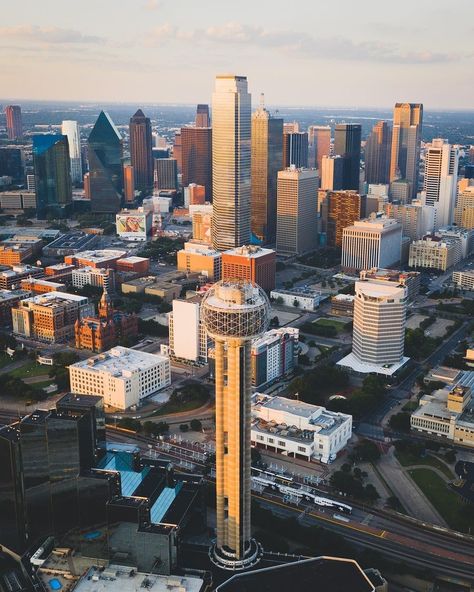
[[443, 499], [43, 384], [171, 407], [338, 325], [408, 460], [5, 360], [29, 369]]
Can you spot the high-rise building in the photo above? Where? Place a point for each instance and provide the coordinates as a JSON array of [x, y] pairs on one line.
[[14, 122], [416, 219], [374, 242], [347, 138], [250, 263], [231, 113], [342, 208], [11, 164], [166, 173], [464, 212], [52, 175], [379, 328], [194, 195], [332, 173], [140, 151], [233, 314], [291, 127], [377, 154], [267, 154], [441, 179], [128, 183], [295, 149], [105, 152], [196, 151], [296, 211], [406, 140], [177, 151], [319, 137], [202, 116], [188, 339], [70, 129]]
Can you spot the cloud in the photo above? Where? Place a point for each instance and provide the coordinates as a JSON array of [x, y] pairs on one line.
[[297, 44], [47, 35], [152, 5]]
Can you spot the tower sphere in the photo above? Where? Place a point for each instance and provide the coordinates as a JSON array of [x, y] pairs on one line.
[[235, 309]]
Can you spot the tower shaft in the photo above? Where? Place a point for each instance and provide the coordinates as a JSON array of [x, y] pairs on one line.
[[233, 390]]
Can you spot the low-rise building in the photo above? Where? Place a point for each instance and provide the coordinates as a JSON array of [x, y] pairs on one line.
[[464, 279], [50, 317], [70, 243], [105, 258], [94, 276], [16, 252], [434, 252], [298, 429], [299, 297], [448, 413], [274, 355], [465, 236], [17, 200], [123, 376], [138, 265], [9, 299], [10, 278], [200, 258], [134, 224], [342, 305], [60, 271], [40, 286]]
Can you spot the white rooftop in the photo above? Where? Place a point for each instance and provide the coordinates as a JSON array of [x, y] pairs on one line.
[[379, 290], [100, 255], [116, 578], [251, 251], [352, 362], [134, 259], [120, 360], [44, 298]]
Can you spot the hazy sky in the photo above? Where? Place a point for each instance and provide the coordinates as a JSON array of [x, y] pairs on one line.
[[302, 52]]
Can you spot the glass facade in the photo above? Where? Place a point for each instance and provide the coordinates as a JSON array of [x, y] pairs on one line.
[[11, 164], [347, 137], [52, 175], [105, 152]]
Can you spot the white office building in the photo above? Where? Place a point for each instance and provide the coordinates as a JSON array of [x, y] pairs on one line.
[[378, 328], [416, 219], [188, 339], [441, 179], [123, 376], [71, 130], [464, 279], [297, 429], [94, 276], [373, 242], [301, 297]]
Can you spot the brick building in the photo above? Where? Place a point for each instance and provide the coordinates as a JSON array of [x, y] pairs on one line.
[[250, 263]]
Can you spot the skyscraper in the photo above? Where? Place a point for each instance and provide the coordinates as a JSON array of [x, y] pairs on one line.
[[296, 211], [347, 144], [295, 149], [331, 173], [140, 151], [441, 179], [377, 154], [202, 116], [14, 122], [233, 314], [319, 137], [52, 175], [343, 209], [231, 112], [166, 173], [71, 130], [196, 150], [267, 154], [105, 152], [11, 164], [128, 183], [406, 140]]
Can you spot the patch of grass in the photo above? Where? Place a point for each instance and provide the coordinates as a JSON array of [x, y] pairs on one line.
[[338, 325], [41, 385], [410, 406], [30, 369], [171, 407], [5, 359], [443, 499], [409, 460]]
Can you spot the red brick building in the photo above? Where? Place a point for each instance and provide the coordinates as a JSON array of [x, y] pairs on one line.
[[252, 263]]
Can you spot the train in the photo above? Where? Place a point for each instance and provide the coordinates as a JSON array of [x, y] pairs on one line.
[[276, 477], [302, 494]]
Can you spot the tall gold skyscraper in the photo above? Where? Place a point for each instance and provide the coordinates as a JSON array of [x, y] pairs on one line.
[[231, 112], [267, 147], [234, 313], [406, 140]]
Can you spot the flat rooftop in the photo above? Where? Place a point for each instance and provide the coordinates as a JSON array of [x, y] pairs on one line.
[[124, 579], [354, 364], [133, 259], [299, 291], [252, 252], [6, 295], [85, 401], [100, 255], [120, 360]]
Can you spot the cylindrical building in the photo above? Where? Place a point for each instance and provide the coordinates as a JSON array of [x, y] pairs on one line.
[[233, 314]]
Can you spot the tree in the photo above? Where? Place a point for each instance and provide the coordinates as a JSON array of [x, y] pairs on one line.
[[296, 303], [195, 425], [371, 493], [366, 451], [400, 422], [184, 427]]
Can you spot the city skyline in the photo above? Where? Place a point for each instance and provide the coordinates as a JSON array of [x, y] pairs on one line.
[[176, 50]]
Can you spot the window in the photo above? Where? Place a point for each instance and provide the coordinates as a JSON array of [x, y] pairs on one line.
[[281, 443], [271, 440], [301, 449]]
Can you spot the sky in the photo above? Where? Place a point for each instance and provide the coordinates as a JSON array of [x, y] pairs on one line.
[[319, 53]]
